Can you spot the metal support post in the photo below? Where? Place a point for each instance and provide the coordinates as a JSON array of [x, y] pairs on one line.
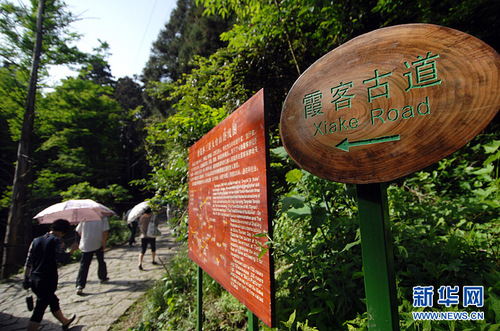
[[199, 300], [378, 259], [253, 321]]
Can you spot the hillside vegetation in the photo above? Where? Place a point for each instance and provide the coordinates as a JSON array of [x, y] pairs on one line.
[[123, 140]]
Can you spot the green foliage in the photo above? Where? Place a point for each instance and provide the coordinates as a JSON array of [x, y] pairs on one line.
[[114, 193], [172, 302], [167, 150], [118, 232], [12, 102], [198, 111], [17, 35], [291, 322], [487, 186], [445, 233], [79, 128], [477, 17], [180, 41], [316, 236], [444, 218]]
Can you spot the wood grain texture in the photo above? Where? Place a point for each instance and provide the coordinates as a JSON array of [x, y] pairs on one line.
[[428, 89]]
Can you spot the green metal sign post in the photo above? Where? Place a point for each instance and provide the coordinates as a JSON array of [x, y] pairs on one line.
[[378, 259], [253, 321], [199, 300]]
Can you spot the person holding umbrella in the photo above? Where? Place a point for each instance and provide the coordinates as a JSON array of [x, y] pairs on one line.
[[40, 273], [93, 227], [132, 226], [132, 218], [147, 236]]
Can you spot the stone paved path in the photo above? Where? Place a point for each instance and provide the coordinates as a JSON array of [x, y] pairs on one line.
[[102, 304]]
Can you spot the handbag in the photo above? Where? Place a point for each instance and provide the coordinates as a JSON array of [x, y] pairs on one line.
[[153, 230], [29, 300]]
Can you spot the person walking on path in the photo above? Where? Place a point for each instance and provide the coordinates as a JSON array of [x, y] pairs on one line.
[[147, 223], [94, 235], [40, 273], [132, 226], [93, 312]]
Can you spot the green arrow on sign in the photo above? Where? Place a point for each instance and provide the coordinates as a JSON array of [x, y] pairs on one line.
[[345, 144]]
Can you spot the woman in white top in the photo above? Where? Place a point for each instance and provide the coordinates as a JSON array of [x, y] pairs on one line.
[[144, 221]]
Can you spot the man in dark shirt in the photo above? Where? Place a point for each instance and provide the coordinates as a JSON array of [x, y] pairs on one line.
[[40, 273]]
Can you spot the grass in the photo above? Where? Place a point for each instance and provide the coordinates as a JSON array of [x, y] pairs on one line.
[[132, 316]]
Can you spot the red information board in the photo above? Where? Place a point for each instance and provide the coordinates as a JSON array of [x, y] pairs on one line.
[[228, 206]]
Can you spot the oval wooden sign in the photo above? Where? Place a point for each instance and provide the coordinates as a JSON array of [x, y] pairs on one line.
[[390, 102]]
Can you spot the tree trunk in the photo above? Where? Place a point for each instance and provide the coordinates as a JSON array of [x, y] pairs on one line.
[[19, 222]]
